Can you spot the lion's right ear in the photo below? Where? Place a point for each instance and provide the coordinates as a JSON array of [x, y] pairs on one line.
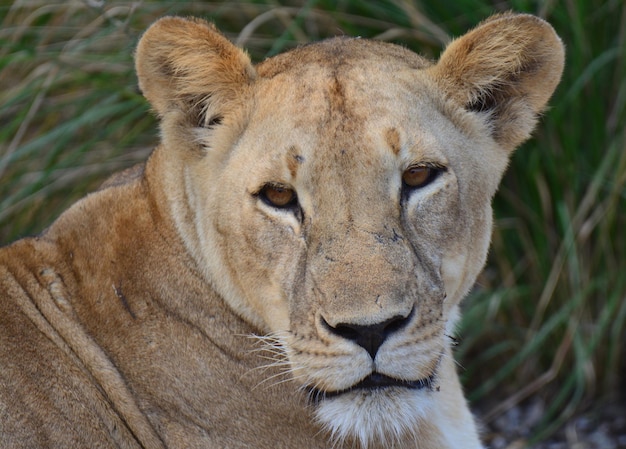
[[186, 63]]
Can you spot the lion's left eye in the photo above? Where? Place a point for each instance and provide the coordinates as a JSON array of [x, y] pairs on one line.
[[278, 196], [420, 176]]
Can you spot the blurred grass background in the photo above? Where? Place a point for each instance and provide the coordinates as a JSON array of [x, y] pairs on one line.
[[548, 316]]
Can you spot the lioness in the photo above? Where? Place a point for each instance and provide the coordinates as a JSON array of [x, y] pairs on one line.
[[286, 268]]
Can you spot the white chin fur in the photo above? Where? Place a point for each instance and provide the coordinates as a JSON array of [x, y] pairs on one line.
[[385, 416]]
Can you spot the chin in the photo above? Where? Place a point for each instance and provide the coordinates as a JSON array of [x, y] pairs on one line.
[[383, 416]]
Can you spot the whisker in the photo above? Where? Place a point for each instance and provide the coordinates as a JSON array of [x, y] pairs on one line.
[[281, 360], [275, 352], [289, 378], [283, 381], [264, 368], [270, 378]]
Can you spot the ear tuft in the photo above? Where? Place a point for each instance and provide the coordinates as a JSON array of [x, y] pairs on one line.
[[508, 67], [185, 64]]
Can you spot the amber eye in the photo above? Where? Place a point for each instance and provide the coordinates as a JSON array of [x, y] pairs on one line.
[[419, 176], [278, 196]]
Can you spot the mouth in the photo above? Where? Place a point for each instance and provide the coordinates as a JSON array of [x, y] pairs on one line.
[[375, 381]]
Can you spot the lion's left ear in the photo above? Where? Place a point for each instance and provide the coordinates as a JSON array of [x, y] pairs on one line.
[[187, 63], [508, 67]]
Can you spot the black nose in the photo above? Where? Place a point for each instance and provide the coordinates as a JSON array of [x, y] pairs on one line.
[[372, 336]]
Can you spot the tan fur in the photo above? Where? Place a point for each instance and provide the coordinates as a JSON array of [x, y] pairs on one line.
[[129, 322]]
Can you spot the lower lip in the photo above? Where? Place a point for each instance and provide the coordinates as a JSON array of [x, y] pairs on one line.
[[376, 381]]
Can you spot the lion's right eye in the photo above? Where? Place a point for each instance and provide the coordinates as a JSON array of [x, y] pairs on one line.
[[280, 197]]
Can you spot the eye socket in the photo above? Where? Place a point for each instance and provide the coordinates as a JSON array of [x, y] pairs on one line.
[[419, 176], [278, 196]]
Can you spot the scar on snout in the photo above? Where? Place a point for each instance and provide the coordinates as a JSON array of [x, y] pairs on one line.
[[294, 159], [393, 140]]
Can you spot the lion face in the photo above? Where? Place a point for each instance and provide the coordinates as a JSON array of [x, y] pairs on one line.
[[338, 198], [343, 217]]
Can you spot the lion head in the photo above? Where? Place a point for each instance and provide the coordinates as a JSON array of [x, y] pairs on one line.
[[338, 197]]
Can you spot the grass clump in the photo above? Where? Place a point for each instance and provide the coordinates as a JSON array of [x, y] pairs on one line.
[[549, 314]]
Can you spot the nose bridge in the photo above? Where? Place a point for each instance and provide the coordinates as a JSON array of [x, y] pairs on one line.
[[369, 251], [364, 276]]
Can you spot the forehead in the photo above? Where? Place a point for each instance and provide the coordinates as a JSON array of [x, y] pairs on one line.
[[348, 92], [338, 52], [337, 76]]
